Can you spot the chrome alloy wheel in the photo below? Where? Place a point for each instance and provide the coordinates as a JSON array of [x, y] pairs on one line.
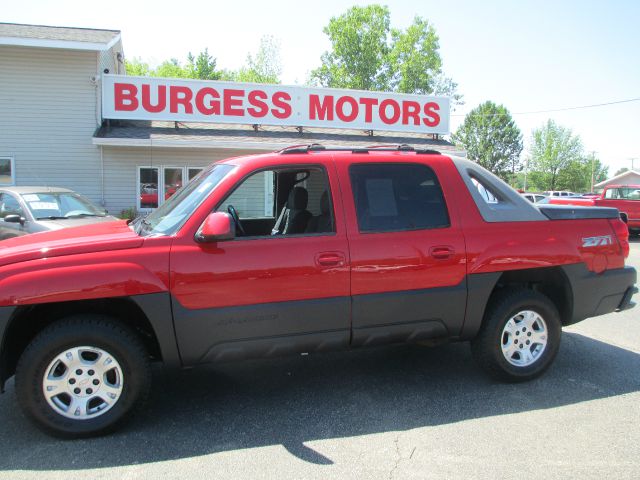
[[524, 338], [82, 383]]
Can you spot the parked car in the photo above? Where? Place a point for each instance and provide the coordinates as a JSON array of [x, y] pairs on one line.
[[626, 198], [303, 250], [533, 197], [560, 193], [26, 210], [149, 194]]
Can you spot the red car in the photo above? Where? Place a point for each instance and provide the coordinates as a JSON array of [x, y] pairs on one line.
[[303, 250], [626, 198]]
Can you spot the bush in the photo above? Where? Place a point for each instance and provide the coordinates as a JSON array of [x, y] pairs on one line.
[[129, 214]]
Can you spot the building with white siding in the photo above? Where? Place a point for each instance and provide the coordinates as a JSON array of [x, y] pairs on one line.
[[53, 131], [630, 177]]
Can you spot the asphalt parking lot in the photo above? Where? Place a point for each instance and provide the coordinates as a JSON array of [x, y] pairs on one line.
[[396, 412]]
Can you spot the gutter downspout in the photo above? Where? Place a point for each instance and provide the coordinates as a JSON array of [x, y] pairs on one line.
[[103, 203]]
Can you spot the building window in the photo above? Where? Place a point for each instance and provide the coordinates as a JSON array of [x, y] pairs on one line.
[[7, 171], [164, 179], [173, 178], [147, 187], [193, 172]]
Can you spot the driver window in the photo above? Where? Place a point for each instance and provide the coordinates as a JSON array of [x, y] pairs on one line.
[[292, 201], [254, 197]]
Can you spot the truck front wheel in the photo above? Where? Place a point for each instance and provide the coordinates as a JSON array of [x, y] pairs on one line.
[[82, 376], [519, 337]]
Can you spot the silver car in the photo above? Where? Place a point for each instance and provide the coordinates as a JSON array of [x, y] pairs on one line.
[[26, 210], [534, 197]]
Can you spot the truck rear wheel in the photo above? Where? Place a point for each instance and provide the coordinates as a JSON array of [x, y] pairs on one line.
[[519, 337], [82, 376]]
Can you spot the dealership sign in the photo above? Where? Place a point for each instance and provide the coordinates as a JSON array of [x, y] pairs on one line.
[[145, 98]]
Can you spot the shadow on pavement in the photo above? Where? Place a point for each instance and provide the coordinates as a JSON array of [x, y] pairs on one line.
[[300, 399]]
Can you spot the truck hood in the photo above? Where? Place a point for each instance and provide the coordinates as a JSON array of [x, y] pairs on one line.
[[96, 237]]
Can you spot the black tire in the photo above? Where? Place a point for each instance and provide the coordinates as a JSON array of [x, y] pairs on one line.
[[104, 333], [487, 346]]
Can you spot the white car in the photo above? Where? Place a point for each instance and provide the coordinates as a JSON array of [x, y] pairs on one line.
[[534, 197], [560, 193]]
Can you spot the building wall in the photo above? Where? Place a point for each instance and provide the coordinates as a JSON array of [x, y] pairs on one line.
[[48, 113], [108, 59], [629, 179], [121, 168]]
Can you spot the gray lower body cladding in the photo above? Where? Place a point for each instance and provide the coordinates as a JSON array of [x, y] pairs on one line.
[[596, 294]]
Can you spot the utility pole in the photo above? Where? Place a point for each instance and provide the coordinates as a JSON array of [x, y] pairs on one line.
[[632, 160], [593, 161]]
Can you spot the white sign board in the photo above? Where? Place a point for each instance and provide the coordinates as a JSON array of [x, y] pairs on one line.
[[146, 98]]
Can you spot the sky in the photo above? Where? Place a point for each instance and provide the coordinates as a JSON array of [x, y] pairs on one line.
[[527, 55]]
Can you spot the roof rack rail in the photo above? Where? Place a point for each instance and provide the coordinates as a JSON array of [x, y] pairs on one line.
[[313, 147], [316, 147]]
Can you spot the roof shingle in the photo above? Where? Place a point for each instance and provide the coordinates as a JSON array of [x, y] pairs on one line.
[[67, 34], [214, 135]]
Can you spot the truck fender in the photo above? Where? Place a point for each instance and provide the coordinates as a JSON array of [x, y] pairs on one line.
[[82, 282]]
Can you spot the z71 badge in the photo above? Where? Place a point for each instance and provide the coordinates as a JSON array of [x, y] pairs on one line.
[[597, 241]]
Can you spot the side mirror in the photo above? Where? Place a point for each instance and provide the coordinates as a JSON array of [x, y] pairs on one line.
[[217, 227], [15, 219]]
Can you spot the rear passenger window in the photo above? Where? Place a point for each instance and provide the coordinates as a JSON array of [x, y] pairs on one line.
[[485, 192], [396, 197]]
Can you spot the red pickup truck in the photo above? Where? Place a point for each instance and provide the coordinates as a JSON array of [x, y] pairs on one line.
[[303, 250], [626, 198]]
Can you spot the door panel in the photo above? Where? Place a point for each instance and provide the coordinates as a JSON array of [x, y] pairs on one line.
[[261, 296], [406, 284]]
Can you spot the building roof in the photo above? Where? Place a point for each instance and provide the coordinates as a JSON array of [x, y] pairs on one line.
[[619, 178], [137, 133], [57, 37]]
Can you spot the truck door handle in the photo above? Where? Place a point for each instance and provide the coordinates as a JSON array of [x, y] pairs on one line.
[[330, 259], [442, 252]]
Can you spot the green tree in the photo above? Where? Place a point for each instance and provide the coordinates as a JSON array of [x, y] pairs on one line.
[[170, 69], [620, 170], [203, 66], [136, 67], [359, 58], [366, 54], [264, 67], [414, 58], [576, 176], [491, 138], [553, 149]]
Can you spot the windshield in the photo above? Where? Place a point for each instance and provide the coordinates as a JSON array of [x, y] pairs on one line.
[[60, 205], [172, 214]]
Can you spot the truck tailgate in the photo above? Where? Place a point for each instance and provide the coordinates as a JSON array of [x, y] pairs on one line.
[[572, 212]]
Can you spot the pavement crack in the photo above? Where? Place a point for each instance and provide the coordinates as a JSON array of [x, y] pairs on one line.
[[398, 456]]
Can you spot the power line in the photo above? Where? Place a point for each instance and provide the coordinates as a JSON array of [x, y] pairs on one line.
[[553, 110]]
